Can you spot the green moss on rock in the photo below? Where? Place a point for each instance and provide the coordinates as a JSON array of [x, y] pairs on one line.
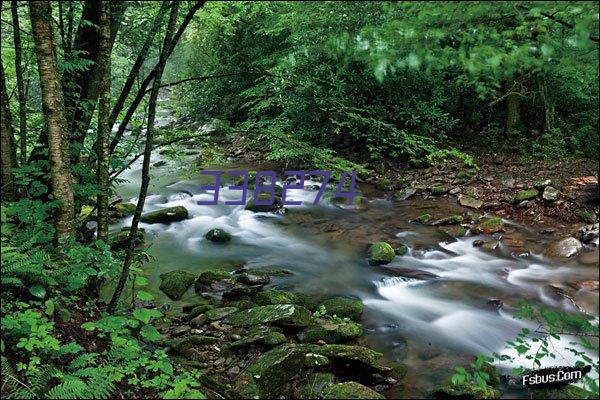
[[279, 314], [489, 226], [567, 392], [424, 218], [350, 390], [274, 296], [453, 219], [345, 307], [466, 390], [381, 253], [315, 384], [119, 240], [523, 195], [165, 215], [218, 235], [175, 283], [330, 331], [220, 313], [251, 206]]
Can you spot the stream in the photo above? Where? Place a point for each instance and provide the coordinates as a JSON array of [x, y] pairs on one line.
[[431, 325]]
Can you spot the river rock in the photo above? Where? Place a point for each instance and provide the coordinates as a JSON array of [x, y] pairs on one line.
[[175, 283], [588, 233], [219, 313], [218, 235], [488, 226], [330, 331], [279, 314], [122, 210], [381, 253], [542, 184], [439, 190], [274, 296], [468, 201], [165, 215], [449, 220], [465, 390], [350, 390], [424, 218], [214, 280], [268, 337], [586, 216], [276, 206], [410, 273], [316, 383], [405, 193], [523, 195], [119, 240], [566, 247], [567, 392], [550, 194], [344, 307], [253, 280], [401, 250]]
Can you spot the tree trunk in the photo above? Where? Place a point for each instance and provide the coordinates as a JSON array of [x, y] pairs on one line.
[[20, 84], [141, 57], [514, 123], [164, 55], [142, 90], [103, 120], [54, 112], [8, 157]]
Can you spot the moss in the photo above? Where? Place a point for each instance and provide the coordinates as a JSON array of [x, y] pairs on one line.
[[344, 307], [165, 215], [381, 253], [466, 390], [242, 304], [330, 331], [350, 390], [122, 210], [526, 194], [119, 240], [384, 184], [220, 313], [269, 337], [489, 226], [586, 216], [263, 196], [439, 190], [273, 296], [218, 235], [175, 283], [281, 314], [212, 275], [424, 218], [203, 340], [567, 392], [201, 309], [401, 250], [453, 219]]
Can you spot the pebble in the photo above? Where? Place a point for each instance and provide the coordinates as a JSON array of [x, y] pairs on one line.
[[233, 372]]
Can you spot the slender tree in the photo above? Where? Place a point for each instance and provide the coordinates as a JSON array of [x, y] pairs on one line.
[[54, 111], [164, 55], [20, 83], [103, 120], [8, 158]]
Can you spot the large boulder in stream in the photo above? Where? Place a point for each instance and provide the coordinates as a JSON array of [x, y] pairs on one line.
[[330, 331], [175, 283], [274, 296], [165, 215], [350, 390], [344, 307], [279, 314], [381, 253], [276, 205], [218, 235], [272, 371], [565, 248]]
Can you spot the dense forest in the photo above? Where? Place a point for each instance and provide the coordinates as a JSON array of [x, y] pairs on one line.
[[451, 249]]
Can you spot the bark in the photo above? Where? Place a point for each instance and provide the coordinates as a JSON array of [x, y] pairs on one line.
[[164, 55], [20, 84], [547, 106], [135, 69], [8, 157], [54, 112], [142, 90], [103, 120], [514, 123]]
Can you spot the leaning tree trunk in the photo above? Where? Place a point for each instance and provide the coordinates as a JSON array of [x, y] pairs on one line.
[[103, 120], [54, 112], [164, 55], [8, 158], [20, 84]]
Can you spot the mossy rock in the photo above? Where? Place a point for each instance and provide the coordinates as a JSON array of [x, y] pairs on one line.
[[526, 194], [218, 235], [358, 202], [466, 391], [175, 283], [119, 240], [201, 340], [586, 216], [86, 212], [454, 231], [266, 376], [567, 392], [439, 190], [401, 250], [122, 210], [350, 390], [274, 296], [330, 331], [276, 203], [312, 301], [453, 219], [242, 304], [165, 215], [212, 275], [344, 307], [269, 337], [381, 253], [488, 226], [200, 309], [279, 314], [315, 383], [251, 179], [272, 272], [220, 313], [424, 218], [384, 184]]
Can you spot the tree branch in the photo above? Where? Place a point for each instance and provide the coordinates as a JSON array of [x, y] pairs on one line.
[[207, 77]]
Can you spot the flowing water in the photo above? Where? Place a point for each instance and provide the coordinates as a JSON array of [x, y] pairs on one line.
[[432, 324]]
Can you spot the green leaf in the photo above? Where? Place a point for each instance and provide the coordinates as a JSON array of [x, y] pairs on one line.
[[49, 310], [38, 291], [150, 333], [145, 296], [145, 314]]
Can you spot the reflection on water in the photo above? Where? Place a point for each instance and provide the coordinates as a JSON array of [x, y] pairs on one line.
[[430, 324]]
